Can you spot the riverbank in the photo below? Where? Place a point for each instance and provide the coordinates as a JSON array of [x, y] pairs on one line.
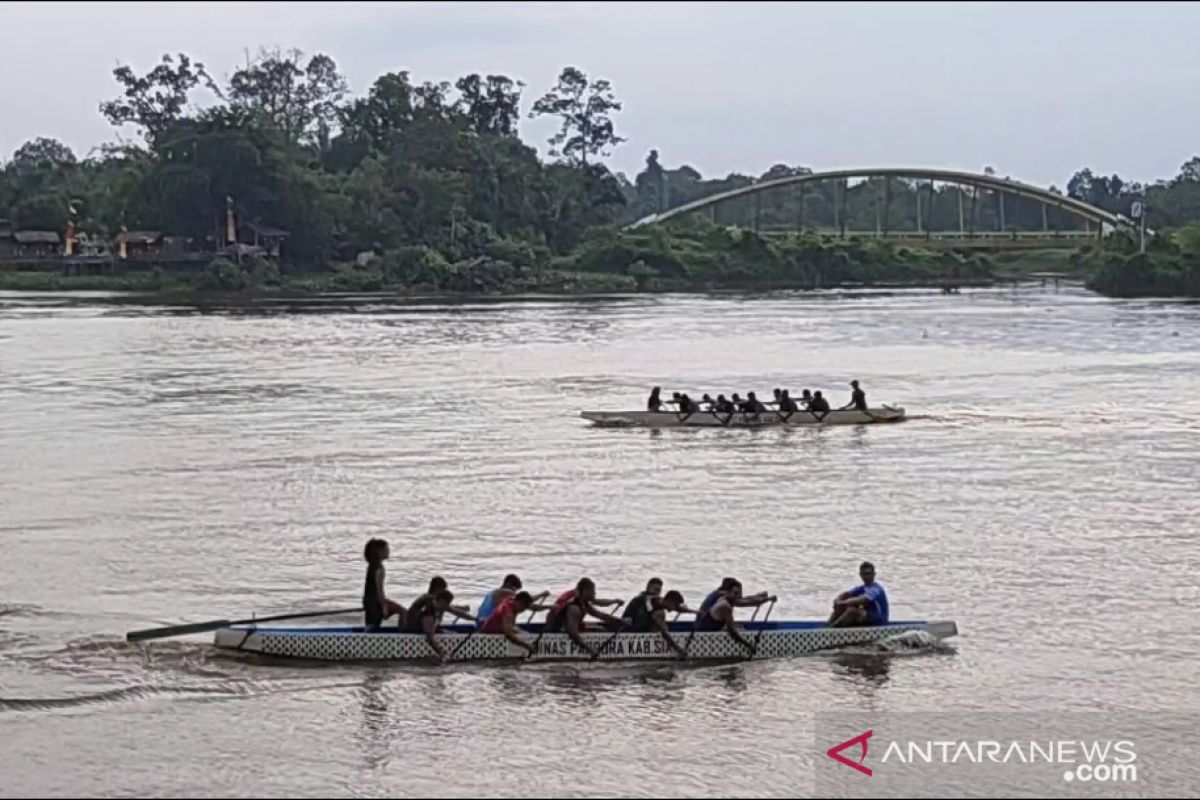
[[1167, 270], [702, 258]]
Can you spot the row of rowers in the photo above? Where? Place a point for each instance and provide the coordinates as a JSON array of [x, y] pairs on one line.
[[784, 402], [646, 612]]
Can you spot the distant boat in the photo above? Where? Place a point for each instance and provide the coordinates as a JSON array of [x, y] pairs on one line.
[[742, 419]]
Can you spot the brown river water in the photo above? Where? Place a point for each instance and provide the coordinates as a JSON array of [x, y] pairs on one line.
[[171, 464]]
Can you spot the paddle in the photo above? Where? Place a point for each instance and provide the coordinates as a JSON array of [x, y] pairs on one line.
[[609, 640], [757, 636], [459, 646], [216, 624]]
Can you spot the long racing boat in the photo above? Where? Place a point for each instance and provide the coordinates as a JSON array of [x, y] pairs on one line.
[[770, 640], [742, 419]]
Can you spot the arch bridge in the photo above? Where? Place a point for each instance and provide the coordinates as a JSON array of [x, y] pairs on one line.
[[1102, 220]]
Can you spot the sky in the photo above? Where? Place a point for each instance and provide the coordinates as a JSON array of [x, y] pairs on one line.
[[1034, 90]]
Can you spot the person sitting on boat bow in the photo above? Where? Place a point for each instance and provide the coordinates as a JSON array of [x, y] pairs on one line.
[[865, 604], [818, 403], [424, 615], [721, 615], [572, 607], [647, 612], [655, 402], [504, 619], [376, 606], [858, 398]]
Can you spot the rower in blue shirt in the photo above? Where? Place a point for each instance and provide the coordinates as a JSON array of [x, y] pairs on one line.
[[863, 605]]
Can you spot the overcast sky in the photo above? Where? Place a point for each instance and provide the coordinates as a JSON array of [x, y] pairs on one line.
[[1035, 90]]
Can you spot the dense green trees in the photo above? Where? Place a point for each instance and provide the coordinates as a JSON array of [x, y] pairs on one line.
[[440, 166], [433, 164]]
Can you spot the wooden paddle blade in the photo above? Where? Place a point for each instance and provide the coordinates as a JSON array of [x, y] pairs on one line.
[[176, 630], [214, 624]]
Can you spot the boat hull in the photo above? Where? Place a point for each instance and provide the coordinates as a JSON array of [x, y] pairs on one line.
[[775, 640], [740, 419]]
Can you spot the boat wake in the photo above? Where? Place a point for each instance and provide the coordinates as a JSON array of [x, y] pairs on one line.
[[111, 696], [17, 609], [906, 643]]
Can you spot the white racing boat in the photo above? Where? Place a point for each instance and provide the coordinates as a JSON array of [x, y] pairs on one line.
[[742, 419], [771, 640]]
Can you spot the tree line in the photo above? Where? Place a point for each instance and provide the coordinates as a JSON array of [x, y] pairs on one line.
[[441, 165], [434, 163]]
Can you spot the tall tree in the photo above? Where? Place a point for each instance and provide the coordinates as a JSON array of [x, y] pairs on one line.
[[1190, 171], [492, 106], [584, 108], [157, 99], [43, 153], [300, 98]]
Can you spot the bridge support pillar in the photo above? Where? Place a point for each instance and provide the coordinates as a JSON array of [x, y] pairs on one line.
[[961, 224], [800, 207], [878, 215], [845, 188], [1045, 219], [918, 198], [1000, 200], [887, 204], [932, 200]]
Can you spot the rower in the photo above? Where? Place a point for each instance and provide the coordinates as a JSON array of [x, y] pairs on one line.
[[858, 398], [437, 585], [504, 619], [778, 393], [424, 615], [737, 402], [724, 406], [806, 398], [752, 405], [865, 604], [723, 590], [687, 405], [655, 402], [786, 403], [707, 399], [376, 606], [818, 403], [637, 610], [676, 398], [572, 607], [647, 612], [511, 585], [721, 615]]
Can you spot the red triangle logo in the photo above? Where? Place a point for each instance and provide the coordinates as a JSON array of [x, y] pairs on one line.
[[835, 752]]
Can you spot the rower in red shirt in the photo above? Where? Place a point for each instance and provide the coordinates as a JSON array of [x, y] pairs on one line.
[[504, 619]]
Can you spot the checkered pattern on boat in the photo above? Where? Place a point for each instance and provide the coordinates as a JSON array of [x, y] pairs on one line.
[[343, 646]]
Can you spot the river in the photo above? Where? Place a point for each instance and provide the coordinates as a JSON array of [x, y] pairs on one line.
[[169, 463]]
